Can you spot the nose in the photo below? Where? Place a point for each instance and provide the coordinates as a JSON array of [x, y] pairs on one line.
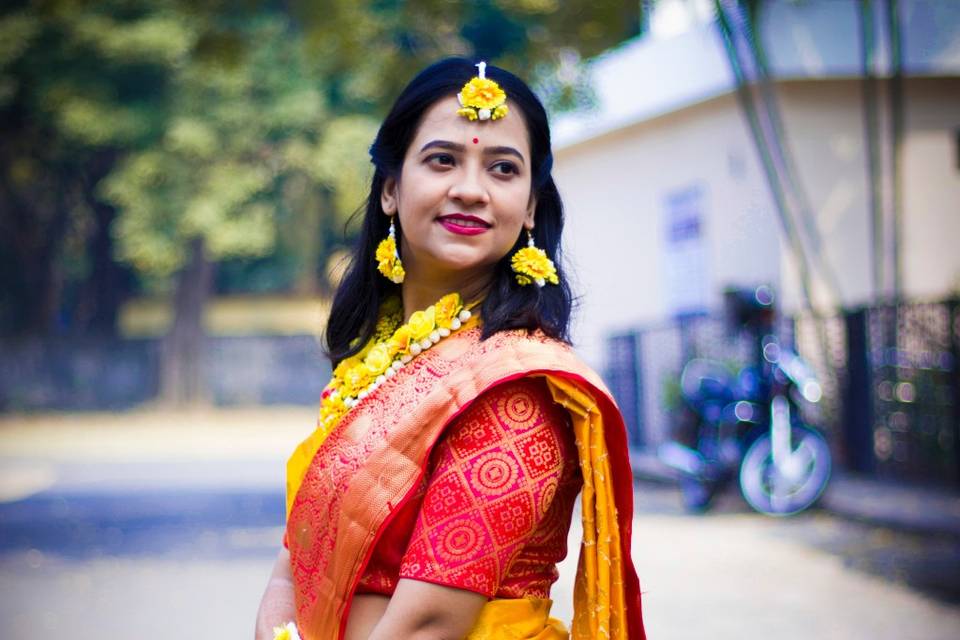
[[468, 187]]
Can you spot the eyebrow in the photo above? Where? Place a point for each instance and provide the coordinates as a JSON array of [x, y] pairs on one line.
[[453, 146]]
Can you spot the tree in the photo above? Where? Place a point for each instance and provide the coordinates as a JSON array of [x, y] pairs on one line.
[[65, 112], [177, 135], [248, 145]]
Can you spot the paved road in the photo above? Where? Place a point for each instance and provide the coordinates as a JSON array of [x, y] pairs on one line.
[[114, 526], [729, 575]]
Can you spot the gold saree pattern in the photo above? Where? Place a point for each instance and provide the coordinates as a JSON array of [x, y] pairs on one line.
[[336, 512]]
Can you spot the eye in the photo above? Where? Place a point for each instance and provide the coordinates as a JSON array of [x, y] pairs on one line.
[[505, 167], [440, 159]]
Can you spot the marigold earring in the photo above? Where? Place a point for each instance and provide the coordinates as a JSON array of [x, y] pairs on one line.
[[532, 265], [388, 259]]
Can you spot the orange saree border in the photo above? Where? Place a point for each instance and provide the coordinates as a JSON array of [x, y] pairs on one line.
[[606, 594]]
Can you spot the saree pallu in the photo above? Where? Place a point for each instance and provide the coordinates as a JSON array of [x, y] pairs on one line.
[[343, 489]]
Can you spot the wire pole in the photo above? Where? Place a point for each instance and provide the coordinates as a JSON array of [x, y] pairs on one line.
[[871, 142]]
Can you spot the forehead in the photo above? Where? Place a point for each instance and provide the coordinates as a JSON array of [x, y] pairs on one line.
[[441, 122]]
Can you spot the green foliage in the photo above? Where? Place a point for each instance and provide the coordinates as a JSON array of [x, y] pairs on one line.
[[246, 124], [341, 161], [218, 167]]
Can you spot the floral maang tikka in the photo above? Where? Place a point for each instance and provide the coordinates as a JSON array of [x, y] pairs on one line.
[[482, 98]]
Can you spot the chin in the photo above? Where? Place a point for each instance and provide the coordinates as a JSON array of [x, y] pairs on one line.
[[461, 263]]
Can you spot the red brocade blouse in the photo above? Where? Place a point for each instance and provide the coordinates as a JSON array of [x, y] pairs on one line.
[[494, 508]]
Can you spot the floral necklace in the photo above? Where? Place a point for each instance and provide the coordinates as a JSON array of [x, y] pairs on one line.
[[392, 346]]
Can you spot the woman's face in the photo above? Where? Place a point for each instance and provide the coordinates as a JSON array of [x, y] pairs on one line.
[[463, 195]]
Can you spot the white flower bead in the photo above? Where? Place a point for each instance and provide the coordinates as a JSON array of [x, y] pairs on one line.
[[455, 324], [425, 344], [363, 394], [541, 282], [397, 365], [380, 379], [389, 373], [443, 331], [434, 336], [405, 358], [415, 349], [483, 114], [465, 315], [291, 628]]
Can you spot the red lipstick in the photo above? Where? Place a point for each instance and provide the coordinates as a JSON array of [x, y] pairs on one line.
[[464, 225]]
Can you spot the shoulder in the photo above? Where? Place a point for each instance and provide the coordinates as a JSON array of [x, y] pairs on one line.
[[518, 401], [523, 349], [519, 412], [518, 352]]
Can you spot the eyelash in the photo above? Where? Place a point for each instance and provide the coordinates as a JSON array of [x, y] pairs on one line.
[[448, 159]]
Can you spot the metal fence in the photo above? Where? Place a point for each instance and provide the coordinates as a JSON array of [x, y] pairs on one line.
[[890, 375]]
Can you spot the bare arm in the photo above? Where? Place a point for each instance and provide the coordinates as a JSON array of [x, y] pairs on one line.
[[426, 611], [277, 606]]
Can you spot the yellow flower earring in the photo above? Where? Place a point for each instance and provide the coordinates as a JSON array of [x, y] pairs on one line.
[[388, 259], [532, 265]]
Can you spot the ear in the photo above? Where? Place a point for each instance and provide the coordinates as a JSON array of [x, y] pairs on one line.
[[531, 211], [388, 197]]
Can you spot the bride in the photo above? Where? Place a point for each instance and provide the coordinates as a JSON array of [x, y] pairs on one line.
[[435, 496]]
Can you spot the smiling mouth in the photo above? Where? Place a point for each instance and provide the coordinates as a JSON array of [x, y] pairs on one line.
[[460, 220]]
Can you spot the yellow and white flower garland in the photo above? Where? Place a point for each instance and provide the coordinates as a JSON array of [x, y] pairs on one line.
[[392, 346]]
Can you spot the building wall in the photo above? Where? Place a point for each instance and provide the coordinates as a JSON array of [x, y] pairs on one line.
[[931, 189], [825, 133], [825, 130], [616, 188]]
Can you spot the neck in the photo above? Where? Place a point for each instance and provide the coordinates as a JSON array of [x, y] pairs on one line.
[[418, 293]]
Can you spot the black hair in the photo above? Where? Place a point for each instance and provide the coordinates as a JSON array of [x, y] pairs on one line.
[[507, 305]]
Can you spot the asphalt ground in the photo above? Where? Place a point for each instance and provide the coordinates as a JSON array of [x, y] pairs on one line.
[[162, 525]]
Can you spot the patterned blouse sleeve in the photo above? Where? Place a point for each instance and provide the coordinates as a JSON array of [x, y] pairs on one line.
[[493, 477]]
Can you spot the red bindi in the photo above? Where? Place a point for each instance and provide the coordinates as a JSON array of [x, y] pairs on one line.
[[476, 140]]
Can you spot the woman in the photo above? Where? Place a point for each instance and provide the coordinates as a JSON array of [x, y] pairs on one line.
[[435, 496]]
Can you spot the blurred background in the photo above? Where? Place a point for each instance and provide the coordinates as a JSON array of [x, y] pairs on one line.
[[763, 201]]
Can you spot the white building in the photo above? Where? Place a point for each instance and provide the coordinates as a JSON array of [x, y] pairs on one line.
[[667, 202]]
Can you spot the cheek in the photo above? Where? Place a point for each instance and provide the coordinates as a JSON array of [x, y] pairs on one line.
[[519, 202]]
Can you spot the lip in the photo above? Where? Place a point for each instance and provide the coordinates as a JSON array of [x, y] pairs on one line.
[[452, 223]]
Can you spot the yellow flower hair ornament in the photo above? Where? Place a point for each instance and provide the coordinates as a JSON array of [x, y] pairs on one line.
[[388, 259], [533, 266], [482, 98]]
